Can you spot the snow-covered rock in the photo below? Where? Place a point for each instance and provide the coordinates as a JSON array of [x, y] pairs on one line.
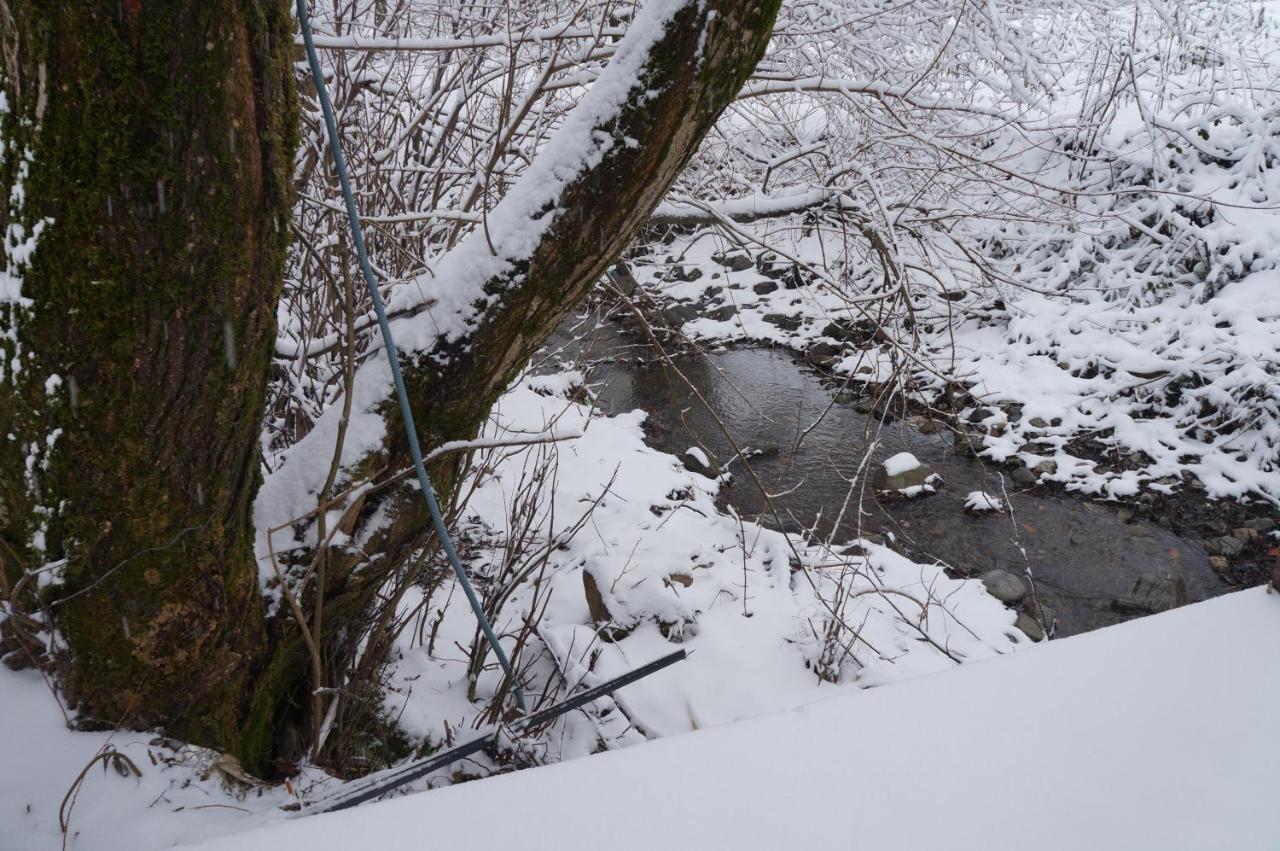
[[980, 502], [905, 474]]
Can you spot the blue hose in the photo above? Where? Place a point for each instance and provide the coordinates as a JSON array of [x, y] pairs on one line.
[[393, 357]]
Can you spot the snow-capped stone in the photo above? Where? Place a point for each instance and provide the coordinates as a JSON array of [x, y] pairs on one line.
[[979, 502], [901, 472]]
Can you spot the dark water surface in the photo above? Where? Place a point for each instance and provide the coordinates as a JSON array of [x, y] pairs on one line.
[[1083, 556]]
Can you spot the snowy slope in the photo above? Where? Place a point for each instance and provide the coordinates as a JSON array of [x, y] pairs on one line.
[[1158, 733]]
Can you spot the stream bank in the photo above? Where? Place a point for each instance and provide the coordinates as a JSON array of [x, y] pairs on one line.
[[1068, 563]]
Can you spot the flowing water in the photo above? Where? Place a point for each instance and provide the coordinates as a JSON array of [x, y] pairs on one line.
[[1090, 567]]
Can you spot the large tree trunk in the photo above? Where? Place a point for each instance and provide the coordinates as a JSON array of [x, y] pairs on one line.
[[154, 139], [160, 136]]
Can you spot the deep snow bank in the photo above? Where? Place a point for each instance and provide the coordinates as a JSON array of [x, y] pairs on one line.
[[1158, 733]]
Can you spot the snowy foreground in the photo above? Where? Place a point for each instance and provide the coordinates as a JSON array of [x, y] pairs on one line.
[[1158, 733]]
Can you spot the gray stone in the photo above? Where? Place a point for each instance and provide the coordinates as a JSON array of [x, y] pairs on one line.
[[1151, 593], [765, 287], [624, 280], [721, 314], [882, 481], [1037, 422], [1022, 477], [1225, 546], [678, 314], [1030, 627], [786, 323], [1262, 525], [1004, 586], [737, 262], [1045, 468], [694, 465], [1244, 533], [824, 349]]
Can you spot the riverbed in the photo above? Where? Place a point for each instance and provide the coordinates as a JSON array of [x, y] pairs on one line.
[[1086, 563]]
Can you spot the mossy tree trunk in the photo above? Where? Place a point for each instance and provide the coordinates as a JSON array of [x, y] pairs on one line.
[[160, 136], [152, 139]]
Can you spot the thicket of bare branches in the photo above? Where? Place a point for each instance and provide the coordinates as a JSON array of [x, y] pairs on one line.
[[920, 146]]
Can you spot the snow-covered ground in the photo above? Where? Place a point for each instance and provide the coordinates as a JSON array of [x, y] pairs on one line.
[[1158, 733], [769, 622]]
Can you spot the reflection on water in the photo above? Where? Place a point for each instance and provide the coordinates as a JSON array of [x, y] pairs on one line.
[[1082, 555]]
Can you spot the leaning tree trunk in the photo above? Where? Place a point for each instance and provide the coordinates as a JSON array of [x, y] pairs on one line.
[[706, 51], [152, 142]]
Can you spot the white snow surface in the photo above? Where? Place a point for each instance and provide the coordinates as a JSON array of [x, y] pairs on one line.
[[979, 501], [903, 462], [747, 603], [1157, 733]]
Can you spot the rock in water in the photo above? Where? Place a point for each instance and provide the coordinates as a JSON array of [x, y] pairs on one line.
[[979, 502], [1004, 586], [1030, 627], [900, 472]]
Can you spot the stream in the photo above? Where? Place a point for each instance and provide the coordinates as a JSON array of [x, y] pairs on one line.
[[1091, 565]]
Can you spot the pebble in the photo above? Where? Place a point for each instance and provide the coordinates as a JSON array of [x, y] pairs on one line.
[[1004, 586], [1022, 477], [1029, 626]]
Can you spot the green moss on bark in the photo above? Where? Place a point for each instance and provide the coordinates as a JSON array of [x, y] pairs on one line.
[[161, 135]]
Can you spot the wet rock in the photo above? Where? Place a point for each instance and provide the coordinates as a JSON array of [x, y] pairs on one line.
[[1030, 627], [1218, 564], [823, 349], [1262, 525], [838, 331], [765, 287], [696, 461], [722, 314], [1045, 468], [678, 314], [1022, 477], [1151, 593], [1037, 422], [1004, 586], [979, 414], [1224, 546], [688, 275], [1124, 515], [900, 472], [735, 262], [786, 323], [624, 280], [1244, 533]]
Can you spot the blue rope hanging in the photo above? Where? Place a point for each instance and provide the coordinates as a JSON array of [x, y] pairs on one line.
[[393, 357]]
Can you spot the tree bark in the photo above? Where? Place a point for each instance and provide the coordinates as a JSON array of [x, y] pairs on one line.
[[706, 53], [154, 140], [160, 136]]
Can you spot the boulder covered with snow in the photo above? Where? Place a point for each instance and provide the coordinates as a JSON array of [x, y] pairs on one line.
[[979, 502], [905, 474]]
